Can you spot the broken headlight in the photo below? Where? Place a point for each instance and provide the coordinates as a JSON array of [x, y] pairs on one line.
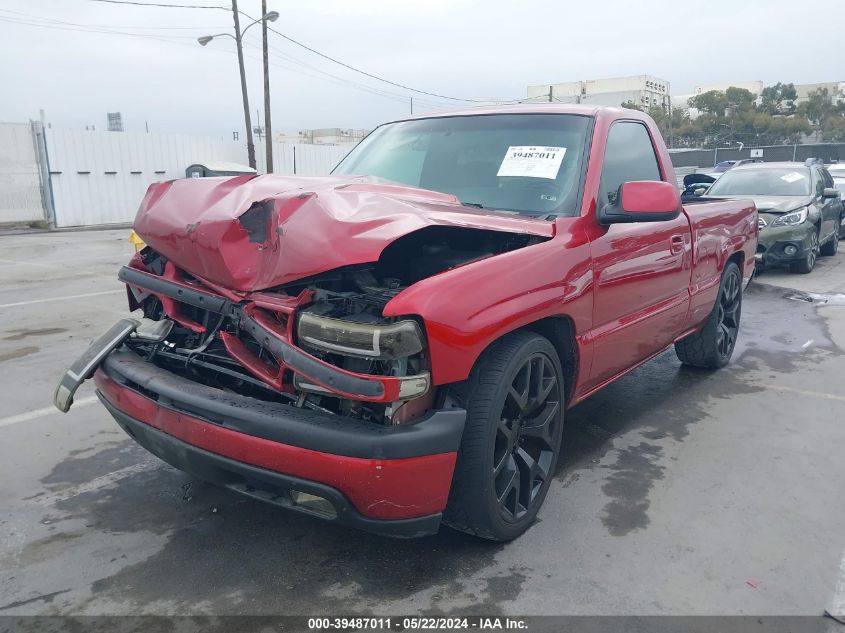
[[386, 341]]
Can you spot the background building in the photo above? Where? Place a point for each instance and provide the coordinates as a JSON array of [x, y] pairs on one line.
[[323, 136], [643, 90], [836, 89]]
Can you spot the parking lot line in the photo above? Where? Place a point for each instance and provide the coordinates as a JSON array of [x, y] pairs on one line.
[[14, 262], [98, 483], [806, 392], [40, 413], [65, 298]]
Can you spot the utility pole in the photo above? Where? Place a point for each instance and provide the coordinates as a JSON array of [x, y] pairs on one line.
[[550, 94], [268, 132], [250, 146]]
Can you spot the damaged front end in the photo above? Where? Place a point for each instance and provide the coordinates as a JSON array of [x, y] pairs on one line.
[[320, 343], [257, 359]]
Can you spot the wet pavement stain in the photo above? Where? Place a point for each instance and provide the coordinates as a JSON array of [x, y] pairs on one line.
[[235, 553], [218, 531], [19, 353], [19, 334], [646, 400], [634, 473], [83, 466]]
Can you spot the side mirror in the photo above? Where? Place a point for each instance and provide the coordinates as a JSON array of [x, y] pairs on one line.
[[830, 192], [699, 191], [642, 201]]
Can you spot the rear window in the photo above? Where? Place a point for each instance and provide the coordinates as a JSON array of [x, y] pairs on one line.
[[774, 181]]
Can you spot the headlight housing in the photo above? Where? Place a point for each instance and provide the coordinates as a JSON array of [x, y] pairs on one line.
[[386, 341], [792, 219]]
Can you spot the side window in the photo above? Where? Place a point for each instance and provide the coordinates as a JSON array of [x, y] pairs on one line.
[[629, 156], [819, 181], [828, 179]]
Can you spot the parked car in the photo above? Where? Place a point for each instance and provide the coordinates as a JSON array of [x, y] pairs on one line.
[[800, 210], [696, 185], [839, 183], [396, 349]]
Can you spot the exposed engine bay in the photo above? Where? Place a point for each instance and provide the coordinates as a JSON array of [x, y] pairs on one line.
[[337, 317]]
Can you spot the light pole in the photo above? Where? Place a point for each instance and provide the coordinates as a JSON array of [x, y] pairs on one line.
[[268, 132], [238, 37]]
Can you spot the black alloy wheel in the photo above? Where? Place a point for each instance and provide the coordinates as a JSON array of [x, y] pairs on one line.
[[514, 398], [728, 311], [526, 437]]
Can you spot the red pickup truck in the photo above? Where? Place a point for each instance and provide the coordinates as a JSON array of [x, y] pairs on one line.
[[394, 346]]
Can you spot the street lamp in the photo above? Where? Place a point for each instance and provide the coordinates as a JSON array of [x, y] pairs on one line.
[[271, 16]]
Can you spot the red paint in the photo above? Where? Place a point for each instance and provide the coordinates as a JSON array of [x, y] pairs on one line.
[[650, 197], [378, 488], [628, 290], [316, 225]]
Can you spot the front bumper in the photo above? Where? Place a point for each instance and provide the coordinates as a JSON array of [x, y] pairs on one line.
[[773, 240], [391, 480]]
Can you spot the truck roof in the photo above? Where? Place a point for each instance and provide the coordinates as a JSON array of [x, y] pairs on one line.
[[525, 108]]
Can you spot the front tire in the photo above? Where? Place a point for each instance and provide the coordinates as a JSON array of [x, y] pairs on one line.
[[514, 399], [712, 346], [807, 264]]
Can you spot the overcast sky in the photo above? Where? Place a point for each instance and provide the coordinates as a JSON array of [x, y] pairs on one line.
[[472, 49]]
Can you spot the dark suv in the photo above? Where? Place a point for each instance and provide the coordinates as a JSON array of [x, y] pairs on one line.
[[800, 210]]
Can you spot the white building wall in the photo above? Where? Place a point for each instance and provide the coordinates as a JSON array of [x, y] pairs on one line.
[[644, 90], [20, 185], [101, 177]]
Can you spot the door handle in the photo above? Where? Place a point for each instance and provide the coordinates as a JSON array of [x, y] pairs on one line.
[[677, 244]]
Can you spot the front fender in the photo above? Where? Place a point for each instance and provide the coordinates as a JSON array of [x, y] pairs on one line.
[[465, 309]]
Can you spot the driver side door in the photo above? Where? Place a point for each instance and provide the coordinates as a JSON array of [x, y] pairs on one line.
[[641, 270]]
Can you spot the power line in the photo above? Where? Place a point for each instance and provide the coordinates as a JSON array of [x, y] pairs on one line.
[[309, 49], [110, 26], [72, 27], [371, 76], [163, 4]]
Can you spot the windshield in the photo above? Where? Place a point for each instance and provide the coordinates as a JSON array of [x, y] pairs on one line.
[[769, 181], [526, 163]]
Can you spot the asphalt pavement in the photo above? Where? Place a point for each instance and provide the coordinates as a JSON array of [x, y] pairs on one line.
[[680, 491]]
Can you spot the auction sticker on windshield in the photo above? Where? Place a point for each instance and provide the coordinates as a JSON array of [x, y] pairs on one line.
[[792, 177], [532, 162]]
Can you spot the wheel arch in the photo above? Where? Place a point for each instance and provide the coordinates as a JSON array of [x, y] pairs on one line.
[[737, 258], [560, 331]]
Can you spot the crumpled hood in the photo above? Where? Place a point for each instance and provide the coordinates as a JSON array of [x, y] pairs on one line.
[[249, 233]]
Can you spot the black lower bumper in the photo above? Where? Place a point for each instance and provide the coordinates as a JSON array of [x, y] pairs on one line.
[[439, 431], [264, 484], [775, 254]]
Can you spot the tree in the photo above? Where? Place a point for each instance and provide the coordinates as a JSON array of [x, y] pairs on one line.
[[779, 99], [833, 128], [630, 105], [818, 105], [739, 99], [712, 102], [723, 103]]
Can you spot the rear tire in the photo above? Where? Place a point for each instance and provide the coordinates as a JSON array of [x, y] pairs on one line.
[[514, 399], [712, 346]]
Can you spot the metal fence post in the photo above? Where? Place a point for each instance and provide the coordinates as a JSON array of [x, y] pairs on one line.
[[47, 201]]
